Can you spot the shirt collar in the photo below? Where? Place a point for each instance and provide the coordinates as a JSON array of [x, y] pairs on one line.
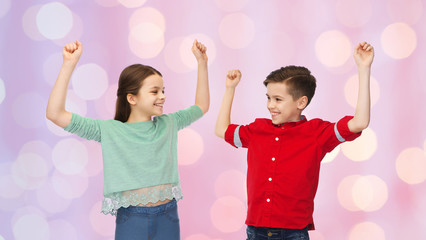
[[292, 124]]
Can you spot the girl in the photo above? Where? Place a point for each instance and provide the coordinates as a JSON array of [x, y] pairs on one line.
[[139, 147]]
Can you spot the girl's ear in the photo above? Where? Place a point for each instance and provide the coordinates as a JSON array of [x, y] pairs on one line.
[[131, 99], [302, 102]]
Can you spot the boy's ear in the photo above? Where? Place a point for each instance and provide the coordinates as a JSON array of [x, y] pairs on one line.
[[302, 102], [131, 99]]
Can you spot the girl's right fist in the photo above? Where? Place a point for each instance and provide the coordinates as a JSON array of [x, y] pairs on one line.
[[72, 51]]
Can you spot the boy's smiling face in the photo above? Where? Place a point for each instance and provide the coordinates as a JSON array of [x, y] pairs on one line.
[[281, 105]]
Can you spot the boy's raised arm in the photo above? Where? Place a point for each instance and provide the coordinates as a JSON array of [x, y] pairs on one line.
[[202, 95], [363, 54], [55, 110], [224, 118]]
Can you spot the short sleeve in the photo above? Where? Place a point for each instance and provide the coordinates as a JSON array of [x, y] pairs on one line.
[[84, 127], [333, 134], [239, 135], [185, 117]]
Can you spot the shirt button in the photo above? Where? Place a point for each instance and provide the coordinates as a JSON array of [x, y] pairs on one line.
[[269, 234], [276, 139], [273, 159], [268, 200], [270, 179]]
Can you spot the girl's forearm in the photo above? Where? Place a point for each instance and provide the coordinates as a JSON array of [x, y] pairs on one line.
[[202, 95], [55, 110]]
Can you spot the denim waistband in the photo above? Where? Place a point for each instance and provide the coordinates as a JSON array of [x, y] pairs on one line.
[[265, 231], [150, 210]]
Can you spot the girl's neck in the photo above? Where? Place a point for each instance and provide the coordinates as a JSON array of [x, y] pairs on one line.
[[135, 117]]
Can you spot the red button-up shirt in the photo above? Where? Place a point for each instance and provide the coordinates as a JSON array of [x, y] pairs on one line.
[[283, 167]]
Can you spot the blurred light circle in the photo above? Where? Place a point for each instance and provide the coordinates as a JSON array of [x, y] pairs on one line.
[[76, 32], [146, 33], [31, 227], [105, 106], [4, 7], [40, 148], [369, 193], [198, 237], [188, 57], [411, 165], [54, 20], [354, 13], [333, 48], [362, 148], [403, 11], [231, 183], [62, 229], [8, 188], [236, 30], [90, 81], [2, 91], [367, 231], [107, 3], [231, 6], [146, 40], [148, 15], [51, 67], [69, 186], [398, 40], [95, 165], [49, 200], [29, 23], [344, 193], [351, 90], [29, 110], [172, 55], [102, 224], [29, 171], [132, 3], [70, 156], [190, 146], [228, 214], [329, 157]]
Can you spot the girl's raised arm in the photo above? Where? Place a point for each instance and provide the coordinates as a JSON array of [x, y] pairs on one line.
[[55, 110], [202, 95]]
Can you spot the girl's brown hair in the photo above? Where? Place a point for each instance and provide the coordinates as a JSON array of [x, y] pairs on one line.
[[130, 82]]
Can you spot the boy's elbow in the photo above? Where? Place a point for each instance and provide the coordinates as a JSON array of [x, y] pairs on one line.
[[219, 133], [359, 127]]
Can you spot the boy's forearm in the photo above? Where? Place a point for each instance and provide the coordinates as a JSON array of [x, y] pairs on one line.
[[224, 117], [362, 112], [202, 95]]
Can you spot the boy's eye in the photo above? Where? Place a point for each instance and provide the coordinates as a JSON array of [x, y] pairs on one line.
[[278, 99]]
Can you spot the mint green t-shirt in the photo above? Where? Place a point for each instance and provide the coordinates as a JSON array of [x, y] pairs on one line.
[[137, 155]]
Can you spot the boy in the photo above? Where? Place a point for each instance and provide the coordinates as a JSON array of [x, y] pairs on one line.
[[284, 153]]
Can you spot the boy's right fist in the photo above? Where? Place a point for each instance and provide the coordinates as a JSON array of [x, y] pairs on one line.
[[72, 51], [233, 77]]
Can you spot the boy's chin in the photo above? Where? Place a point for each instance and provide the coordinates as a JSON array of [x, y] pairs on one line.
[[276, 122]]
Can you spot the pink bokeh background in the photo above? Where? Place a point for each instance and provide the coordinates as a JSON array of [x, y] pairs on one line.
[[372, 188]]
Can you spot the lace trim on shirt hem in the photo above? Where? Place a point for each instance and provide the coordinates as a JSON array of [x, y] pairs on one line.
[[112, 202]]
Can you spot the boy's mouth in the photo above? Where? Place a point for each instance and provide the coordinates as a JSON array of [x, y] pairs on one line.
[[159, 104]]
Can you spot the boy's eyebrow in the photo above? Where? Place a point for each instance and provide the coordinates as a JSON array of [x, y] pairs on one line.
[[275, 96]]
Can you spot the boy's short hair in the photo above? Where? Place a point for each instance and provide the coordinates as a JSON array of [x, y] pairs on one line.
[[299, 81]]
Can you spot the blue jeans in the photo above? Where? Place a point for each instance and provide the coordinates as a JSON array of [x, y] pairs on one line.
[[264, 233], [153, 223]]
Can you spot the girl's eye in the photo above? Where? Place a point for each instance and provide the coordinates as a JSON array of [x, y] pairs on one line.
[[278, 100]]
